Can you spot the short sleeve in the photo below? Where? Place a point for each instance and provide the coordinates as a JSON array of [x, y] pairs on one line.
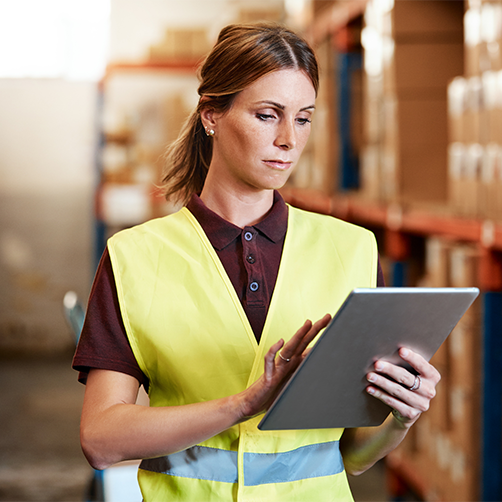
[[103, 343]]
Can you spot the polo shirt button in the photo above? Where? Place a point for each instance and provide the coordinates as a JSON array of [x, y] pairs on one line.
[[248, 236], [254, 286], [250, 258]]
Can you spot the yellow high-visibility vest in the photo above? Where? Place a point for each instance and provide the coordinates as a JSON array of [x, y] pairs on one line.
[[191, 337]]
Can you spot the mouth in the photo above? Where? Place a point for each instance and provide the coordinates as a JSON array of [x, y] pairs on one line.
[[281, 165]]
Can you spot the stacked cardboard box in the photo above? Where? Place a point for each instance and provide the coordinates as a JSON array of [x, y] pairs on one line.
[[181, 44], [317, 166], [475, 117], [412, 51], [443, 447]]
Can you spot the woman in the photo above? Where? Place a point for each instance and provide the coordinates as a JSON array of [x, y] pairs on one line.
[[201, 306]]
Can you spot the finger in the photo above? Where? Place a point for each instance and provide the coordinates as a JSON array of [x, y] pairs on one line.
[[291, 347], [401, 375], [421, 365], [313, 332], [304, 336], [270, 357], [383, 387], [406, 414]]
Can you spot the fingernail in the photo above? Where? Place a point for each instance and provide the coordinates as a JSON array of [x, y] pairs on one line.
[[371, 390], [379, 366], [371, 377], [404, 352]]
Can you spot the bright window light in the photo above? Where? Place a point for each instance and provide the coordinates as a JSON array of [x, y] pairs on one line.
[[54, 38]]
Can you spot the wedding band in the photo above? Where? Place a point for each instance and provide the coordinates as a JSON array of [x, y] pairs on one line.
[[283, 358], [416, 383]]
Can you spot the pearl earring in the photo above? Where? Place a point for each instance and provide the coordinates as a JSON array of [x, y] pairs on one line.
[[209, 132]]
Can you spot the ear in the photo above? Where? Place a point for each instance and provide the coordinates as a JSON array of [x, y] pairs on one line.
[[208, 117]]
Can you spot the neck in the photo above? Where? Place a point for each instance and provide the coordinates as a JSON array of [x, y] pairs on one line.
[[238, 208]]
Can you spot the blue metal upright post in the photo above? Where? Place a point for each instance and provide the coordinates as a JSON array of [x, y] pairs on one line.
[[399, 274], [491, 461], [99, 225], [348, 62]]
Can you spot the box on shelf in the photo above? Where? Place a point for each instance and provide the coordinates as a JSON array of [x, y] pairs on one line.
[[419, 174], [456, 92], [483, 38], [489, 183], [181, 43], [424, 69], [475, 128], [325, 151], [428, 20], [412, 52], [251, 15], [371, 177]]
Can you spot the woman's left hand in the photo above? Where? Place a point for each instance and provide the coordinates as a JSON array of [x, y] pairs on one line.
[[408, 395]]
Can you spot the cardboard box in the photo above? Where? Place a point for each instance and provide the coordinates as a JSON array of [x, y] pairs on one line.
[[475, 130], [370, 172], [422, 123], [474, 56], [373, 121], [488, 193], [421, 174], [424, 70], [428, 20], [414, 161], [456, 163], [472, 184], [181, 44], [456, 92], [437, 262], [252, 15]]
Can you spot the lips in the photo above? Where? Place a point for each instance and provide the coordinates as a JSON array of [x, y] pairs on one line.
[[278, 164]]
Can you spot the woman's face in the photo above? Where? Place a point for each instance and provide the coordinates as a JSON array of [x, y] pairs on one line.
[[259, 140]]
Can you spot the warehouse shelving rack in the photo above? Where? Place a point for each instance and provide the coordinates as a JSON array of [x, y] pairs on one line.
[[175, 66], [397, 224]]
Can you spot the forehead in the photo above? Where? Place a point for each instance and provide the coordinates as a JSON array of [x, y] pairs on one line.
[[287, 87]]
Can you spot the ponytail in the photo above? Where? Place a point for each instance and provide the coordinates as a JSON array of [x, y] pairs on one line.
[[188, 160]]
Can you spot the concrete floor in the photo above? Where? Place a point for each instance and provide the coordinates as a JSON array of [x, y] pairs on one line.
[[40, 456]]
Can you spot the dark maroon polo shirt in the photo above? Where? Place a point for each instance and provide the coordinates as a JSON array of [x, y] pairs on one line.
[[250, 256]]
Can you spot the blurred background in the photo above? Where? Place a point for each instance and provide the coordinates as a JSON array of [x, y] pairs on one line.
[[407, 141]]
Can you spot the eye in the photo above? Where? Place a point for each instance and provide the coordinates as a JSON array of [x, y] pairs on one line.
[[265, 116], [303, 121]]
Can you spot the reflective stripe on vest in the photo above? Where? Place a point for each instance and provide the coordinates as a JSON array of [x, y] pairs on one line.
[[213, 464]]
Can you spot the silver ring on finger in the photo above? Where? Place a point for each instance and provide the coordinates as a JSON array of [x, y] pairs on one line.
[[284, 358], [416, 384]]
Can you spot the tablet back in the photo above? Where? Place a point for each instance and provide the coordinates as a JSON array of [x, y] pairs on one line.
[[328, 388]]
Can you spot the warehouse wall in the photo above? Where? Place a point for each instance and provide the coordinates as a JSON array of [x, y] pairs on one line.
[[46, 180]]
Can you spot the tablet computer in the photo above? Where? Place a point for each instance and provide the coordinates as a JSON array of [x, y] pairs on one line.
[[328, 388]]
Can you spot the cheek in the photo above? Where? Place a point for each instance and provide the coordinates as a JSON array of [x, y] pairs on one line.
[[250, 138], [303, 137]]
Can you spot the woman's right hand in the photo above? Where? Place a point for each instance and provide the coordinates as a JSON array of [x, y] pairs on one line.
[[278, 368]]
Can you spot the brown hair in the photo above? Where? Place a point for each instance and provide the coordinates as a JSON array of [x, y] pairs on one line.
[[243, 53]]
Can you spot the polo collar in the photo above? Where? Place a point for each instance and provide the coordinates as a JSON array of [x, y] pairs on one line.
[[221, 232]]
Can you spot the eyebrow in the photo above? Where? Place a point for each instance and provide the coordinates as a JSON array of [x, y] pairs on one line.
[[282, 107]]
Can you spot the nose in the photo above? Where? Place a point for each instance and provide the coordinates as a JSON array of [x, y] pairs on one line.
[[286, 135]]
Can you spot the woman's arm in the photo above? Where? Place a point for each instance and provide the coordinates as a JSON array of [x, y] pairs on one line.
[[363, 447], [113, 428]]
